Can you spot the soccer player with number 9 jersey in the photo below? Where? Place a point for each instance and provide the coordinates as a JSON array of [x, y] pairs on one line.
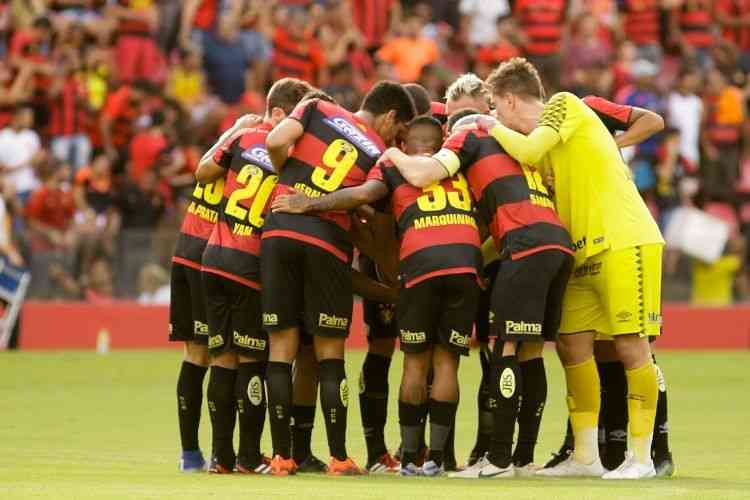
[[307, 258]]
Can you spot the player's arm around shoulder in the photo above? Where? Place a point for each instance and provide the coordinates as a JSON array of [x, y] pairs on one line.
[[419, 171], [281, 139], [344, 199]]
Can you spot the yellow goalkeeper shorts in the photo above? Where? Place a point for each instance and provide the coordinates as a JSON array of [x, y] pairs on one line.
[[616, 292]]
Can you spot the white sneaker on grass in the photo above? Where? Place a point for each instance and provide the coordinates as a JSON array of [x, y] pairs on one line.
[[431, 469], [484, 469], [632, 469], [573, 468], [528, 470]]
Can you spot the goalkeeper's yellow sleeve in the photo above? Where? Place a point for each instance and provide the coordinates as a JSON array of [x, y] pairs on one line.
[[528, 150]]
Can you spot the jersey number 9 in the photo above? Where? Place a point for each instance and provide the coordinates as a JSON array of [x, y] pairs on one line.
[[340, 156]]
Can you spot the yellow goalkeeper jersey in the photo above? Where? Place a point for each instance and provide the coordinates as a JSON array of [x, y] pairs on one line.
[[596, 197]]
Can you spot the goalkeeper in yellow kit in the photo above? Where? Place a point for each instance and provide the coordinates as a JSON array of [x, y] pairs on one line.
[[615, 290]]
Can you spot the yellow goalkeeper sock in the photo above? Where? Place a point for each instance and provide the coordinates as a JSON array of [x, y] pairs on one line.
[[643, 392], [584, 400]]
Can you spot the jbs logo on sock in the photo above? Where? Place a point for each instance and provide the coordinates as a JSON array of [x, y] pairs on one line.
[[408, 337], [248, 342], [491, 318], [507, 383], [215, 341], [331, 321], [459, 339], [521, 327], [344, 393], [270, 319], [200, 328], [255, 391]]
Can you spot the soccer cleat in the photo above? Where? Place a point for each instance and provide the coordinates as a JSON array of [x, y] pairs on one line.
[[528, 470], [386, 464], [262, 468], [484, 469], [476, 454], [192, 461], [312, 465], [344, 468], [573, 468], [632, 469], [432, 469], [560, 456], [410, 470], [281, 467], [218, 468], [664, 465]]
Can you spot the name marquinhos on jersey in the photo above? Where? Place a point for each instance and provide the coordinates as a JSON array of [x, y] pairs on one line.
[[258, 155], [204, 213], [444, 220], [354, 134]]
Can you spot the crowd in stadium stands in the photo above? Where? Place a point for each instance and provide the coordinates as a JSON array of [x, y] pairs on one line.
[[107, 105]]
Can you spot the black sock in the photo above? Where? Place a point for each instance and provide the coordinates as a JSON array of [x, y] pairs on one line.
[[373, 403], [485, 408], [449, 450], [615, 412], [189, 401], [279, 384], [411, 419], [508, 387], [533, 399], [423, 431], [250, 393], [442, 418], [223, 410], [660, 443], [303, 420], [334, 399]]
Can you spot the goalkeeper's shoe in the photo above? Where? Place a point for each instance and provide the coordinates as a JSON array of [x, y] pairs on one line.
[[192, 461], [632, 469], [282, 466], [262, 468], [386, 464], [217, 467], [664, 465], [573, 468], [311, 465], [344, 468]]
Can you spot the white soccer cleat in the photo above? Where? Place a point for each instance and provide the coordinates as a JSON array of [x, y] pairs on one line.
[[484, 469], [632, 469], [528, 470], [431, 469], [573, 468]]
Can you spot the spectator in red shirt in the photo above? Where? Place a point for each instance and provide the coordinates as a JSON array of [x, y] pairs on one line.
[[543, 24], [375, 18], [50, 209], [506, 46], [296, 53], [117, 120], [146, 147], [68, 125], [640, 22], [32, 45], [733, 16], [137, 55], [690, 29]]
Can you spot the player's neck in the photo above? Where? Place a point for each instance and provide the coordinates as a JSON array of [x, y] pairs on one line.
[[365, 117]]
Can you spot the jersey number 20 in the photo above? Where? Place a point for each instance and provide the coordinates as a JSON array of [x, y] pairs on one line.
[[256, 187]]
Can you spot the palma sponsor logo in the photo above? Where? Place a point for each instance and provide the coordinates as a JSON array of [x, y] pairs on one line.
[[270, 319], [354, 134], [259, 156], [522, 328], [248, 342], [459, 339], [332, 321], [408, 337], [200, 328], [215, 341], [255, 390], [507, 383]]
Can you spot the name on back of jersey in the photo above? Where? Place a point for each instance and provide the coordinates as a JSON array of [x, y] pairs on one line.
[[354, 134]]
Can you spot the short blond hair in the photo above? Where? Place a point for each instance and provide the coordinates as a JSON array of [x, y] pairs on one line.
[[516, 76], [467, 85]]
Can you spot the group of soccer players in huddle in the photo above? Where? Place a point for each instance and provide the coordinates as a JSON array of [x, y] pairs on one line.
[[523, 226]]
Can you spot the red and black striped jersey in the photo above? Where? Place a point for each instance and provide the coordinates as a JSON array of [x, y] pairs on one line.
[[543, 22], [695, 18], [233, 250], [641, 20], [616, 117], [511, 198], [436, 226], [336, 151]]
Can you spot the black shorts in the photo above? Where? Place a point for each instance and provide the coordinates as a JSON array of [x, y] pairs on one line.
[[379, 317], [299, 278], [482, 322], [234, 317], [440, 310], [527, 296], [187, 307]]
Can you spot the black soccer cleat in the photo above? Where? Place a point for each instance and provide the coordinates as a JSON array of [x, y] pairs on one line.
[[664, 465], [557, 458], [312, 465]]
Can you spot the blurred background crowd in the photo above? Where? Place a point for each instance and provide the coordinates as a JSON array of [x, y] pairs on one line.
[[107, 105]]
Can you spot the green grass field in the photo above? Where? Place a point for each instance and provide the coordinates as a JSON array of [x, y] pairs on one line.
[[79, 425]]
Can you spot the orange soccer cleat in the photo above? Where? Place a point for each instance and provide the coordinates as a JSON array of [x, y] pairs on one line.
[[281, 466], [344, 468]]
